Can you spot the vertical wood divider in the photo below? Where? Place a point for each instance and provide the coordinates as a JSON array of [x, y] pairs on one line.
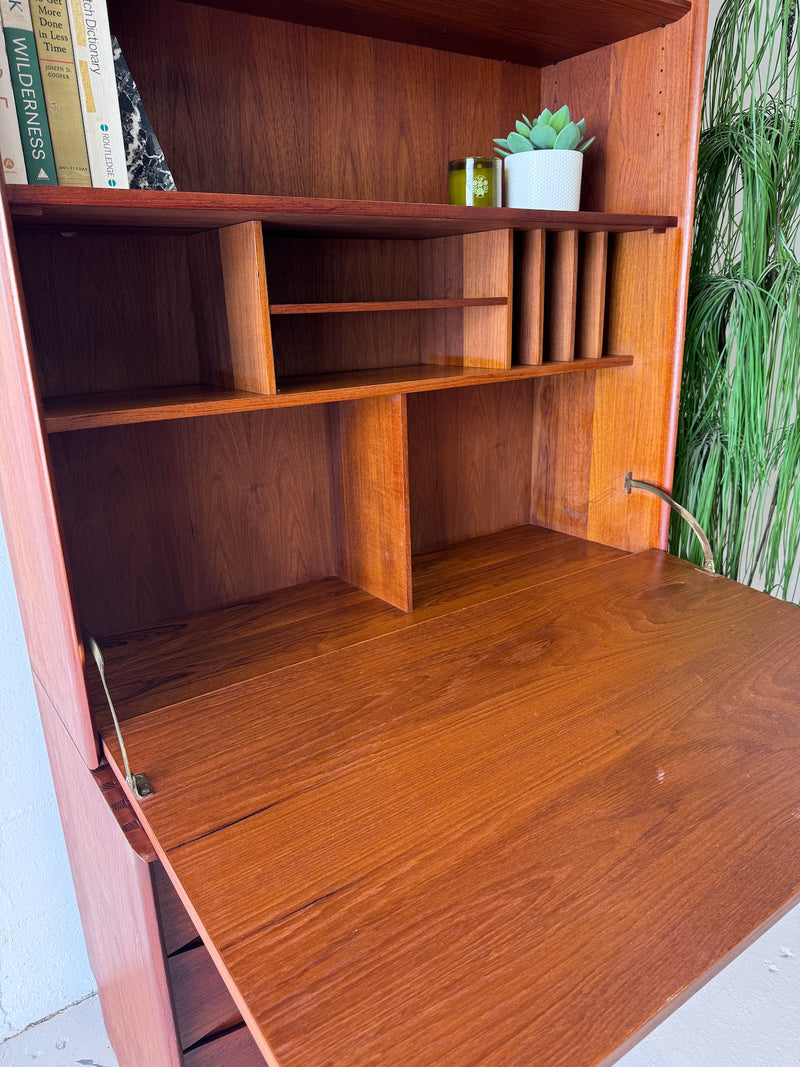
[[529, 296], [592, 295], [472, 265], [235, 335], [370, 458], [562, 277]]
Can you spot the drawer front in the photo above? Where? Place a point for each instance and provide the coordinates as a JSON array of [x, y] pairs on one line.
[[210, 1026], [234, 1049]]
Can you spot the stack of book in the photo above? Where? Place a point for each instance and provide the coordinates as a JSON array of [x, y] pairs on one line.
[[70, 113]]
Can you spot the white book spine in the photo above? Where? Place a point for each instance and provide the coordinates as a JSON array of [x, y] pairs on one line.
[[94, 63], [10, 141]]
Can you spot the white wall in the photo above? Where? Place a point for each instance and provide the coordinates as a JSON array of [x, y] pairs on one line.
[[43, 964]]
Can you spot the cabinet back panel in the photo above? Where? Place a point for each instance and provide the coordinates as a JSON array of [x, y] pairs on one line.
[[109, 314], [171, 518], [317, 270], [321, 344], [469, 462], [251, 105]]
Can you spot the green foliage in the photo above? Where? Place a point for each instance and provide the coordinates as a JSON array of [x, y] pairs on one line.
[[738, 457], [548, 131]]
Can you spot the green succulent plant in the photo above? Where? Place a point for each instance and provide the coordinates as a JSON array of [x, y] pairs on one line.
[[548, 131]]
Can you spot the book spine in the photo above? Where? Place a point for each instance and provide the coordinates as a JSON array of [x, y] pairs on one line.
[[61, 97], [26, 81], [97, 83], [10, 140]]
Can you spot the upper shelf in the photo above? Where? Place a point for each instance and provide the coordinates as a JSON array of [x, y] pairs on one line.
[[542, 33], [125, 209]]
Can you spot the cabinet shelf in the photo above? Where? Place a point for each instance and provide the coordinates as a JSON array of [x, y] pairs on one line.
[[153, 405], [341, 308], [153, 668], [103, 210]]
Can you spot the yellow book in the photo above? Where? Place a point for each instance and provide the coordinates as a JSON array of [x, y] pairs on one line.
[[62, 99]]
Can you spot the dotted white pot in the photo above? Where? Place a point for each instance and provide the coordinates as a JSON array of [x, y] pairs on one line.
[[549, 180]]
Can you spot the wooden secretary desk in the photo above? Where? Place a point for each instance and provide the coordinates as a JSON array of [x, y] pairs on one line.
[[451, 763]]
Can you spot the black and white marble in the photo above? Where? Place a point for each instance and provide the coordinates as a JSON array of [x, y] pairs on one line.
[[147, 167]]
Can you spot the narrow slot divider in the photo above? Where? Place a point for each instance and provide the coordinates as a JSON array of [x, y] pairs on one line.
[[562, 291], [234, 334], [592, 295], [369, 439], [470, 266], [529, 296]]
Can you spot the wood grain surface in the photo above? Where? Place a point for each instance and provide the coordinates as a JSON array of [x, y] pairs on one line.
[[165, 519], [593, 267], [242, 303], [493, 30], [561, 294], [203, 1005], [34, 207], [533, 810], [643, 161], [97, 335], [120, 921], [529, 296], [29, 515], [477, 266], [236, 1047], [386, 305], [370, 470], [157, 405], [469, 462], [151, 669]]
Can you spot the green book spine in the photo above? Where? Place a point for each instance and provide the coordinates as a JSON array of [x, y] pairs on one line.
[[61, 96], [23, 63]]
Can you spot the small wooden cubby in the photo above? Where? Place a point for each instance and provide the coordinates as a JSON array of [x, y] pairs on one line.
[[334, 472]]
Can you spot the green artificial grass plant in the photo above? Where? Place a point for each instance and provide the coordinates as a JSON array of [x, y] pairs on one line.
[[738, 456]]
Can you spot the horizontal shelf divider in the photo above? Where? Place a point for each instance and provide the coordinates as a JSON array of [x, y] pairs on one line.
[[341, 308], [176, 212], [186, 402]]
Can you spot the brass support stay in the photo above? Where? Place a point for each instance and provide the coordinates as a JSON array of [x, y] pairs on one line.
[[708, 555], [137, 783]]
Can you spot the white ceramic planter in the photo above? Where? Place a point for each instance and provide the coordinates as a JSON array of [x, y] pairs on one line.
[[549, 180]]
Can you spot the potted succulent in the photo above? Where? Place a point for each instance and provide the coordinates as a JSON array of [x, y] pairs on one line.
[[543, 161]]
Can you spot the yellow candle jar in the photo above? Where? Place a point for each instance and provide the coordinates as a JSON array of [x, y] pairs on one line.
[[475, 181]]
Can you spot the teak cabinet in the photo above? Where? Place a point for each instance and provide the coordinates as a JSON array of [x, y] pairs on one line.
[[451, 763]]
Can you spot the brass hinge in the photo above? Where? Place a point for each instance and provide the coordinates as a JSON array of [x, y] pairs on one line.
[[137, 783]]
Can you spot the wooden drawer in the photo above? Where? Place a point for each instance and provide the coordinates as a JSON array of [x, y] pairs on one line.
[[203, 1005], [205, 1012], [233, 1049], [177, 928]]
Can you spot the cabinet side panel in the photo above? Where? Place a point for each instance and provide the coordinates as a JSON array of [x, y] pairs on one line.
[[469, 462], [167, 519], [29, 515], [647, 123], [118, 912], [317, 113]]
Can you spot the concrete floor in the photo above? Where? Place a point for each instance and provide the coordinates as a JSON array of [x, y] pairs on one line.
[[75, 1036]]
